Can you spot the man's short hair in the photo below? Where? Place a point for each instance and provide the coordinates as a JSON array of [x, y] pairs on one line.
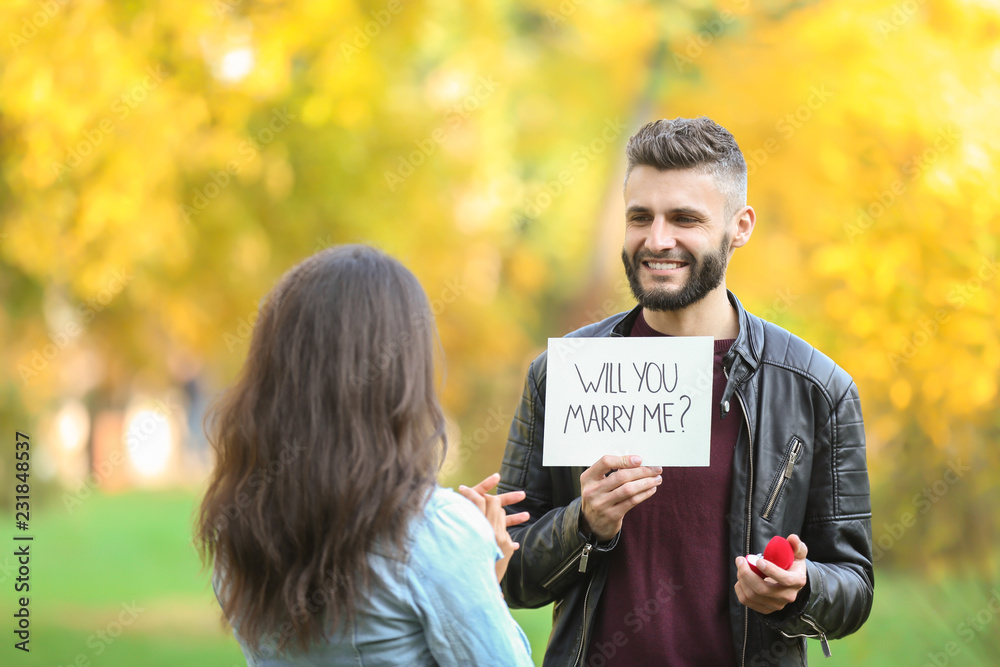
[[692, 143]]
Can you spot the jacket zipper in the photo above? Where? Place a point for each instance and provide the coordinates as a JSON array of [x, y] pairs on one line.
[[583, 557], [796, 447], [746, 612], [819, 633], [822, 636], [583, 636]]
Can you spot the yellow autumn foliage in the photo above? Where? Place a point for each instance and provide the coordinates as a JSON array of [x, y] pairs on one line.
[[161, 164]]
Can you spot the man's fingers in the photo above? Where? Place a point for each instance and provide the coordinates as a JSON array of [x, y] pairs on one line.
[[620, 477], [779, 589], [610, 462], [614, 503], [740, 595], [630, 490], [771, 571], [626, 502], [799, 547], [633, 500], [752, 584]]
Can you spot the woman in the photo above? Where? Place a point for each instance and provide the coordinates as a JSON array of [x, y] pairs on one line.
[[331, 541]]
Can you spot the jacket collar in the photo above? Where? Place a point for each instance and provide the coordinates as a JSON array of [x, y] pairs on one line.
[[748, 342], [739, 362], [742, 359], [623, 328]]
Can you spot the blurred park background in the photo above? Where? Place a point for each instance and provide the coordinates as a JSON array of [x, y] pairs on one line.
[[163, 163]]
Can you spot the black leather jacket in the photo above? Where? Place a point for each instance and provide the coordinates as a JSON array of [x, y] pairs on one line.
[[799, 467]]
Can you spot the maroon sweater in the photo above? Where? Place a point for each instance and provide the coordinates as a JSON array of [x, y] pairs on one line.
[[666, 601]]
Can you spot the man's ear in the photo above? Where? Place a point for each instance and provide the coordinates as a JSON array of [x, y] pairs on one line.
[[745, 221]]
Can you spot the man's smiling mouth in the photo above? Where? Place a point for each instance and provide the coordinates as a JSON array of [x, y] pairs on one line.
[[664, 266]]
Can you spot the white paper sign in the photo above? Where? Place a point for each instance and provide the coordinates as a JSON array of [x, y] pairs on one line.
[[646, 396]]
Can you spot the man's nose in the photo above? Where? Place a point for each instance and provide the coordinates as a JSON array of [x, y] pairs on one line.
[[661, 236]]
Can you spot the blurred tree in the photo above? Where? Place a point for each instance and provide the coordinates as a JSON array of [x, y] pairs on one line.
[[162, 164], [871, 141]]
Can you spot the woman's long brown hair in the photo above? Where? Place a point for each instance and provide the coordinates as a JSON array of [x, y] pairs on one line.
[[327, 445]]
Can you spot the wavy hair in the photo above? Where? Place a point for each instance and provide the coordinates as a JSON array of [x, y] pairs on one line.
[[324, 447]]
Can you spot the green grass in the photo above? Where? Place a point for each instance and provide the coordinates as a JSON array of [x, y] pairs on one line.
[[135, 549], [132, 550], [911, 620]]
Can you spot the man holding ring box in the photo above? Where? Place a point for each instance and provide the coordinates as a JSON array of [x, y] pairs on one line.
[[647, 565]]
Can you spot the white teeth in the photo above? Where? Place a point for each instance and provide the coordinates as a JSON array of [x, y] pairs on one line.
[[664, 266]]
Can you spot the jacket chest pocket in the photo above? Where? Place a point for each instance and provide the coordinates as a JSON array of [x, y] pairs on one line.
[[792, 454]]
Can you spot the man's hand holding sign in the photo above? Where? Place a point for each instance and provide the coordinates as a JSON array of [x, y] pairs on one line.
[[647, 401], [642, 400], [713, 431], [611, 487]]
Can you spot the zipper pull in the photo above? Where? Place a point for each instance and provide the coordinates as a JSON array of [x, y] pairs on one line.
[[585, 556], [819, 633], [791, 458], [826, 645]]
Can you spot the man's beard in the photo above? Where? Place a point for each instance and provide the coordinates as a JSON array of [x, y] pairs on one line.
[[704, 276]]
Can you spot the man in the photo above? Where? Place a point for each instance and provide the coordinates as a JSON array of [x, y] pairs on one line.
[[646, 565]]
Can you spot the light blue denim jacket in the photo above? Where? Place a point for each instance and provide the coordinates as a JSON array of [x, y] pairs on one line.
[[441, 606]]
